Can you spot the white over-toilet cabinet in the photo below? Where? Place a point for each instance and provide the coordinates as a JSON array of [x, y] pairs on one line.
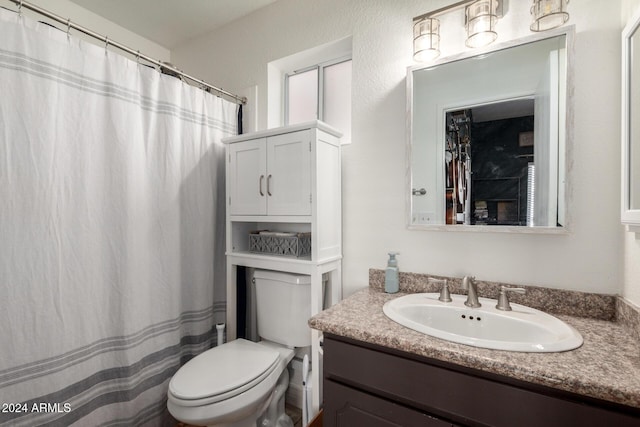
[[287, 179], [279, 186]]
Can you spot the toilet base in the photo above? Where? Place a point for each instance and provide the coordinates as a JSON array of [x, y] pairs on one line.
[[275, 415], [272, 413]]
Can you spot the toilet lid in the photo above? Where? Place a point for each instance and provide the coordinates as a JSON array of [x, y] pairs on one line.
[[222, 369]]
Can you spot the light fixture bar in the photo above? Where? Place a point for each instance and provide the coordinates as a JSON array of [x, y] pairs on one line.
[[455, 6], [443, 10]]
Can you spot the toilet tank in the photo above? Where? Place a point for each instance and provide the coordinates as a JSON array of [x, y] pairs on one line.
[[283, 302]]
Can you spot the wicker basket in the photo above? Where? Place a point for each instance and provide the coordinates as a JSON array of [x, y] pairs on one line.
[[294, 245]]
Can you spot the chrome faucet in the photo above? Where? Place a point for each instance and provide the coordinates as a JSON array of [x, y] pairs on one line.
[[503, 301], [445, 295], [469, 284]]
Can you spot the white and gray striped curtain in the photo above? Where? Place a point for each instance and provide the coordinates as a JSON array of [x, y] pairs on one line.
[[111, 229]]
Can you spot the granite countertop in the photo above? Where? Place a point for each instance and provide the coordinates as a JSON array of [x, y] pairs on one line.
[[606, 366]]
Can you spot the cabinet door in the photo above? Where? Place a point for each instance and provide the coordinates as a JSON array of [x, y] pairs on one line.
[[289, 173], [248, 177], [348, 407]]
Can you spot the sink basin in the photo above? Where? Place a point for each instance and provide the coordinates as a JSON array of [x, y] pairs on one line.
[[522, 329]]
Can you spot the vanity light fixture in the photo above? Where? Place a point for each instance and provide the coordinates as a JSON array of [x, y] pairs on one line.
[[426, 39], [480, 21], [548, 14]]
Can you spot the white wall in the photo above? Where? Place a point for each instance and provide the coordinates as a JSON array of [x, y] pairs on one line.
[[597, 256], [588, 259], [631, 263], [90, 20]]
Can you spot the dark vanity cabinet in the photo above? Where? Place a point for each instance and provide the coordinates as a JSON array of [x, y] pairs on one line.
[[373, 386]]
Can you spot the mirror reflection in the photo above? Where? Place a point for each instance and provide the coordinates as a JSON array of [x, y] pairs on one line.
[[488, 139], [489, 164]]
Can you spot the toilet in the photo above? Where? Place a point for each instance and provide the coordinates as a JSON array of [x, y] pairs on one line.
[[243, 383]]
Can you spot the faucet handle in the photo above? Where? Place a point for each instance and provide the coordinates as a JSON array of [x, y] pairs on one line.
[[445, 296], [503, 300], [466, 280]]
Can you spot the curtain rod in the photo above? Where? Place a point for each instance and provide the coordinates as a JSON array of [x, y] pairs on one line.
[[20, 3]]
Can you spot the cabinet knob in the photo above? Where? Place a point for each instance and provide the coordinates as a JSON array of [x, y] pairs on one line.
[[269, 185], [260, 188]]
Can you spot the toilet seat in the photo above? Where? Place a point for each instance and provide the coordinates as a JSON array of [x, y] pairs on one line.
[[223, 372]]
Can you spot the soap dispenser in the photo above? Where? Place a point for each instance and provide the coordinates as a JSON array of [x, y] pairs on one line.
[[391, 277]]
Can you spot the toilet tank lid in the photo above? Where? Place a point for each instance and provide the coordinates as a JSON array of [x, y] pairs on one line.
[[222, 369], [296, 279]]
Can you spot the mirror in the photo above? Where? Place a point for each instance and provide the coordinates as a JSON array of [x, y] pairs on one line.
[[487, 138], [631, 123]]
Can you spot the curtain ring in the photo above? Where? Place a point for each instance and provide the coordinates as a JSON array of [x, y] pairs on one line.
[[106, 44], [68, 28], [138, 57], [20, 9]]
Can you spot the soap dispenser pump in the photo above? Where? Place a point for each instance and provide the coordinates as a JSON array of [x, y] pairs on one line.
[[391, 277]]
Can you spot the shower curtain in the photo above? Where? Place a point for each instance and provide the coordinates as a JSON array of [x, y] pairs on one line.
[[111, 229]]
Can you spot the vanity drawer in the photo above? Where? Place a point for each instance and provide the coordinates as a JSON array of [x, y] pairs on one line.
[[458, 393], [350, 407]]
